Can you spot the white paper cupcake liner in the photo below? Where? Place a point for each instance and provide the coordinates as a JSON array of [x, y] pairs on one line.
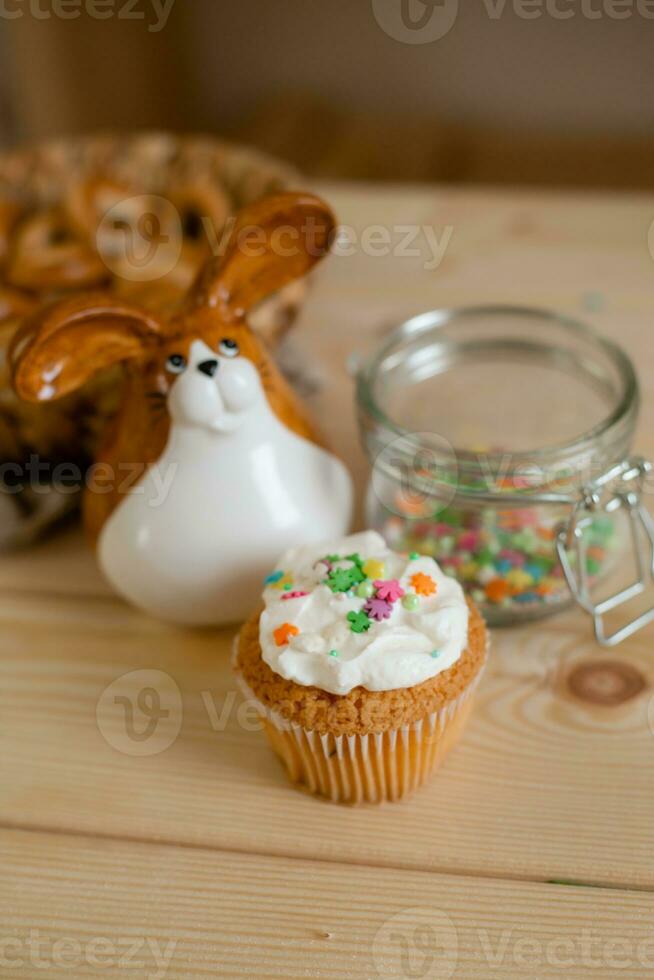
[[365, 768]]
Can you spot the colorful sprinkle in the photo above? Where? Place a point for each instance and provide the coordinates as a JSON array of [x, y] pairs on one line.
[[365, 590], [273, 577], [333, 653], [284, 633], [504, 557], [497, 590], [378, 609], [359, 622], [391, 590], [374, 568], [296, 594], [411, 601], [423, 584], [519, 580], [284, 582], [435, 653], [340, 580]]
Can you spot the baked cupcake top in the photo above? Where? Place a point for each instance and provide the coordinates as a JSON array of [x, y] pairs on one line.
[[353, 613]]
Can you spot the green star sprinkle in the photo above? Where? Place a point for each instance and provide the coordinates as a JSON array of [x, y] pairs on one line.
[[339, 580], [359, 622], [357, 572]]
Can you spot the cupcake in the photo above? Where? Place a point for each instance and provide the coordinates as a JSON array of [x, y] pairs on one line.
[[362, 664]]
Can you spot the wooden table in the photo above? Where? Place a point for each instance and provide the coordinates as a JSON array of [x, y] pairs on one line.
[[187, 854]]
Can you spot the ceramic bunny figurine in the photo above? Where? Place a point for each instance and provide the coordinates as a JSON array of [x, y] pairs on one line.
[[226, 469]]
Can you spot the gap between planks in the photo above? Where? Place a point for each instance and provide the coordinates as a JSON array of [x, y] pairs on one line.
[[481, 873]]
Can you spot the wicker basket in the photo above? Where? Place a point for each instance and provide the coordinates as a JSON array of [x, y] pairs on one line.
[[53, 199]]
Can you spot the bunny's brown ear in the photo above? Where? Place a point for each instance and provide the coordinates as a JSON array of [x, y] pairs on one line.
[[62, 346], [273, 242]]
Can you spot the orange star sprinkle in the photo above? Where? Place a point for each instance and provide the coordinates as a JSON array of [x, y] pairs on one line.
[[284, 632], [423, 584]]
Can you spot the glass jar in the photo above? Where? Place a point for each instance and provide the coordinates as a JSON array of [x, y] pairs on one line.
[[500, 441]]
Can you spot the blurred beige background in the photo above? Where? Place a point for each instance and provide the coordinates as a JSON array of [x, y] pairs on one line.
[[556, 93]]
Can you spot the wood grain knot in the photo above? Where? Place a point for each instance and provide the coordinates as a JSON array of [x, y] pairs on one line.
[[606, 682]]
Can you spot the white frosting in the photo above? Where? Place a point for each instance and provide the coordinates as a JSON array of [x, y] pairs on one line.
[[407, 648]]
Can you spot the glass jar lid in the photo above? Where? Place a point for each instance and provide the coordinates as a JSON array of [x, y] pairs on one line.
[[500, 390]]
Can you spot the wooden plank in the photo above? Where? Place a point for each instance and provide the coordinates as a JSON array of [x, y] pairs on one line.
[[60, 564], [131, 910], [544, 786]]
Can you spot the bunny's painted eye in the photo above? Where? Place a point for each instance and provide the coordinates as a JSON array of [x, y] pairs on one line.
[[175, 363], [228, 347]]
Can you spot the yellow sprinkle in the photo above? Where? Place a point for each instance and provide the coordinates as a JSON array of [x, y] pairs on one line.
[[469, 570], [518, 579], [374, 568], [283, 582]]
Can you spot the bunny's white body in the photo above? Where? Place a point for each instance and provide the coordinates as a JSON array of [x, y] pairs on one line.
[[233, 489]]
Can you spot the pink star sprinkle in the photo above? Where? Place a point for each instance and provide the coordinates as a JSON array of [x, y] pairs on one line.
[[390, 590], [378, 609]]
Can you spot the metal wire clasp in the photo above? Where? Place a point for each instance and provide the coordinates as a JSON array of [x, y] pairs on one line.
[[618, 488]]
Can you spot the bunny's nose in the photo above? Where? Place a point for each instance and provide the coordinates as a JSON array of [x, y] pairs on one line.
[[208, 367]]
